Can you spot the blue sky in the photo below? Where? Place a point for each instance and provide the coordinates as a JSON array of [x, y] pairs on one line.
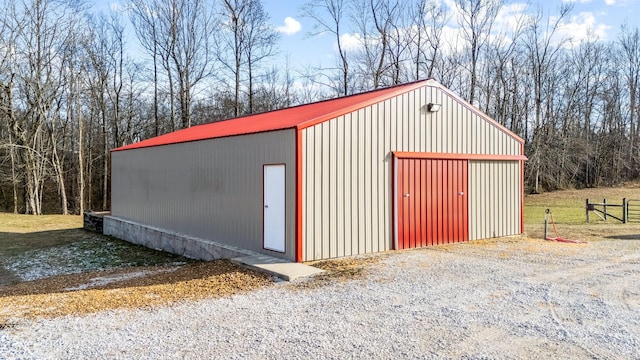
[[603, 17]]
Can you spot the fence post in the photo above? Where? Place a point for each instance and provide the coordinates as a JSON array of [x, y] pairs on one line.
[[546, 219], [604, 207], [624, 210], [586, 207]]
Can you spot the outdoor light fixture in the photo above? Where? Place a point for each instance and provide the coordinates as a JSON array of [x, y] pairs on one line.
[[431, 107]]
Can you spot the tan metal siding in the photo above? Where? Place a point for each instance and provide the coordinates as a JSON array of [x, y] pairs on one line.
[[494, 199], [210, 189], [347, 200]]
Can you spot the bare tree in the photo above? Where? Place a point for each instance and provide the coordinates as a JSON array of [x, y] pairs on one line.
[[374, 19], [260, 44], [476, 19], [233, 15], [248, 40], [629, 42], [179, 33], [7, 101], [330, 16], [40, 46], [191, 30], [543, 50], [147, 30], [428, 23]]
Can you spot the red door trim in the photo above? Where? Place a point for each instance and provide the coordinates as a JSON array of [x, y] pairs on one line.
[[448, 156]]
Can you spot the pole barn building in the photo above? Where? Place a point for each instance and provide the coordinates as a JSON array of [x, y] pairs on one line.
[[402, 167]]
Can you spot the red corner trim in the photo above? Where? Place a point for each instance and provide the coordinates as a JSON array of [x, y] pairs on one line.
[[522, 190], [298, 196]]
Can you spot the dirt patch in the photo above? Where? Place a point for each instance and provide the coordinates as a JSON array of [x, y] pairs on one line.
[[341, 270], [160, 286]]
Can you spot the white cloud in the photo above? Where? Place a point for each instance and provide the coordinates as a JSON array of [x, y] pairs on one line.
[[291, 26], [582, 27], [610, 2], [116, 6], [578, 1], [510, 16], [350, 42]]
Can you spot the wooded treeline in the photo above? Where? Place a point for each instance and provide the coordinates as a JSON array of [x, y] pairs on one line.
[[75, 84]]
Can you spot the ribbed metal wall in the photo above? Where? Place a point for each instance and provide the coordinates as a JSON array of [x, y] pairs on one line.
[[210, 189], [494, 199], [347, 195]]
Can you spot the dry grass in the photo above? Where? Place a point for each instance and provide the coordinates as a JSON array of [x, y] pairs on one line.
[[344, 269], [153, 279], [49, 297], [18, 223]]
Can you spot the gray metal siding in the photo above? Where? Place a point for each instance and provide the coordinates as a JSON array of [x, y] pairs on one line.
[[494, 199], [346, 166], [210, 189]]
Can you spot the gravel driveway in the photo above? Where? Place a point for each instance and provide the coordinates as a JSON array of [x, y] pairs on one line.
[[490, 299]]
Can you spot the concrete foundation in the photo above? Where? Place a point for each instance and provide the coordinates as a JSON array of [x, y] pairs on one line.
[[165, 240]]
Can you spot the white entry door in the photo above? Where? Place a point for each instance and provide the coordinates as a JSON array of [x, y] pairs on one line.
[[274, 207]]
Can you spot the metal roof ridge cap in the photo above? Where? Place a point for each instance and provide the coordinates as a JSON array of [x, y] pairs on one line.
[[399, 89]]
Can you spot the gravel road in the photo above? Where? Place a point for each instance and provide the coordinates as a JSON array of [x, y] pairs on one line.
[[491, 299]]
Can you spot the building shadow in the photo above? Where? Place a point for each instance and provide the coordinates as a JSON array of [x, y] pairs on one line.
[[624, 237]]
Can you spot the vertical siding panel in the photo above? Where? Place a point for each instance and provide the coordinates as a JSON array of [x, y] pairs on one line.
[[334, 237], [424, 206], [325, 219], [368, 176], [348, 185], [433, 120], [421, 118], [386, 186], [355, 150], [306, 254], [317, 194], [401, 204], [441, 212], [485, 192], [362, 176], [429, 202], [477, 196], [410, 204], [495, 199], [376, 161], [310, 180]]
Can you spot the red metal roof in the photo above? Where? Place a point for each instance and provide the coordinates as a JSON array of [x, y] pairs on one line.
[[298, 117]]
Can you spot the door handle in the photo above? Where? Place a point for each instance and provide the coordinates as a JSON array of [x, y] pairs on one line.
[[407, 195]]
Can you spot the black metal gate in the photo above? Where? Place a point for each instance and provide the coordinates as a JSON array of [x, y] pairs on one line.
[[632, 210]]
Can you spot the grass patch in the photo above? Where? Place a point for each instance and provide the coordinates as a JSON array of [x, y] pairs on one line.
[[37, 247], [18, 223], [568, 206]]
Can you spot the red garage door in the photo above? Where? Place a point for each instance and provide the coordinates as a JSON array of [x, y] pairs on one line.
[[432, 204]]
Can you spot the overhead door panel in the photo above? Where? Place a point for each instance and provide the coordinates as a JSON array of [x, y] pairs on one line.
[[432, 202]]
